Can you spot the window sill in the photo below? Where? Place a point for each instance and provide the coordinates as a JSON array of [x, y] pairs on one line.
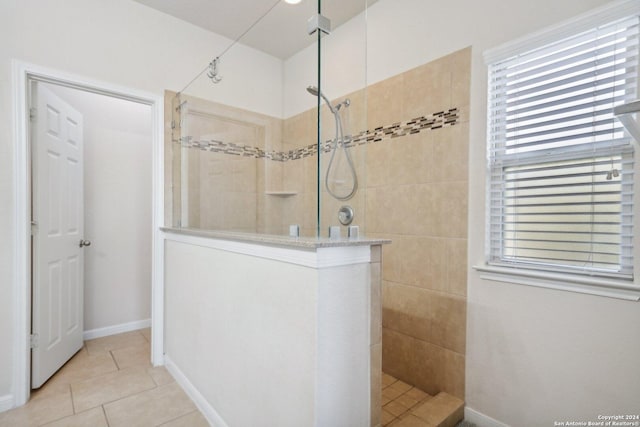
[[565, 282]]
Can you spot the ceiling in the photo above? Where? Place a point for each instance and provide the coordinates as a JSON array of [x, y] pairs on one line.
[[281, 33]]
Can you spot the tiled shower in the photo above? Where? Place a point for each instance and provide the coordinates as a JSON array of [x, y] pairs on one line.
[[257, 174]]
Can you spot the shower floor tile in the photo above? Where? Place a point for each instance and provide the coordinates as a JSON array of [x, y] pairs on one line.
[[406, 406], [398, 399]]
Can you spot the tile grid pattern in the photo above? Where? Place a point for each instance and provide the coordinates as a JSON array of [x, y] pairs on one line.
[[398, 398], [108, 383], [408, 406], [430, 122]]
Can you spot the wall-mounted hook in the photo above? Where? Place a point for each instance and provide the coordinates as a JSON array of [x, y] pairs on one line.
[[212, 73]]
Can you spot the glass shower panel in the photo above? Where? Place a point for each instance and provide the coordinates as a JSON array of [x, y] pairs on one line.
[[343, 126], [253, 134]]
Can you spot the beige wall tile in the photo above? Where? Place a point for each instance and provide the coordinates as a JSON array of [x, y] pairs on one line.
[[407, 309], [294, 175], [423, 262], [240, 211], [298, 131], [409, 359], [355, 117], [244, 175], [449, 377], [384, 102], [450, 208], [378, 155], [460, 77], [310, 167], [448, 321], [429, 367], [310, 215], [389, 258], [402, 209], [416, 261], [329, 212], [292, 211], [451, 153], [427, 89], [456, 250], [454, 374], [406, 160]]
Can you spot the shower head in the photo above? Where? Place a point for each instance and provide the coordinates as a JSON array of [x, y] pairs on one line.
[[315, 92]]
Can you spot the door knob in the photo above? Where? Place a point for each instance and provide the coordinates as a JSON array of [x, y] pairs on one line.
[[85, 243]]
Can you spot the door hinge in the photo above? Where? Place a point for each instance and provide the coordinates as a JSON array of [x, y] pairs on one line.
[[34, 227], [173, 124], [33, 341], [32, 114]]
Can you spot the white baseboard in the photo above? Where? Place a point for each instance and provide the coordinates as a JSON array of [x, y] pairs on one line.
[[207, 410], [480, 419], [116, 329], [6, 402]]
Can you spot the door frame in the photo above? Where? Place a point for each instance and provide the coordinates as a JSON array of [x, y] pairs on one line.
[[22, 74]]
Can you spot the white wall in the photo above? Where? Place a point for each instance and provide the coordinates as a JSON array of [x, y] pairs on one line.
[[117, 199], [533, 355], [240, 304], [120, 42], [125, 43], [265, 338], [343, 69]]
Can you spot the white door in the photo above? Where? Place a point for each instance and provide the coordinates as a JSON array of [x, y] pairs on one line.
[[57, 302]]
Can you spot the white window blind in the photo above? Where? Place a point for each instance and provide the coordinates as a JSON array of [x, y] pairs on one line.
[[561, 165]]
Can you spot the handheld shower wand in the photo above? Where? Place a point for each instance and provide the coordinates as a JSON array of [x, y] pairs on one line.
[[338, 140], [315, 92]]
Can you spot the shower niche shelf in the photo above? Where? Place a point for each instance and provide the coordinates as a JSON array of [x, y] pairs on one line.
[[281, 193]]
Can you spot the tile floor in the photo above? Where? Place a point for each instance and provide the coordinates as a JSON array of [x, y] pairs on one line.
[[108, 383], [406, 406]]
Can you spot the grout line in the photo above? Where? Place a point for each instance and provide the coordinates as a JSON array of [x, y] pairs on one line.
[[122, 398], [435, 291], [104, 412], [73, 404], [427, 342], [179, 416], [114, 359]]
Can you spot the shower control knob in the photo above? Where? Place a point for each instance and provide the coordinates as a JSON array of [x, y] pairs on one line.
[[85, 243], [345, 215]]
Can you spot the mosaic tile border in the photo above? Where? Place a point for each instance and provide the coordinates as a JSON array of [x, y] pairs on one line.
[[431, 122]]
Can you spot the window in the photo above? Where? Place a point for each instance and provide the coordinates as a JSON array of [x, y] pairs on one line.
[[560, 164]]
